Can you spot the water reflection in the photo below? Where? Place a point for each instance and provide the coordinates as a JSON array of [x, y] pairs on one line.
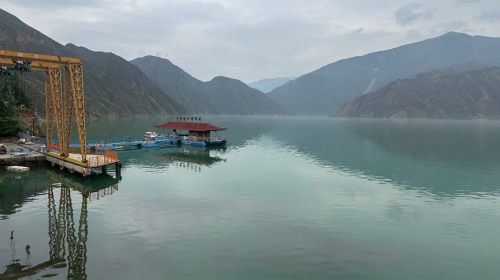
[[67, 236], [19, 188], [194, 158], [473, 144], [439, 158], [161, 159]]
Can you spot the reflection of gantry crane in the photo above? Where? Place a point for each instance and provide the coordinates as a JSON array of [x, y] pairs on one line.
[[62, 98], [67, 241]]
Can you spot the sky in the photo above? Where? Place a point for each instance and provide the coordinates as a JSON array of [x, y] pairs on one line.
[[251, 40]]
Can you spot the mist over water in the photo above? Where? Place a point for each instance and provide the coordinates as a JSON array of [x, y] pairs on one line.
[[289, 198]]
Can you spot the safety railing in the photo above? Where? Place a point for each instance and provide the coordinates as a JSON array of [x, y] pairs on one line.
[[98, 157]]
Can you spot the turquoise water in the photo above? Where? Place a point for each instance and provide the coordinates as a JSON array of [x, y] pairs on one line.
[[289, 198]]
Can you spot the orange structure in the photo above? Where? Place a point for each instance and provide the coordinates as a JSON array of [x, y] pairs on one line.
[[64, 101]]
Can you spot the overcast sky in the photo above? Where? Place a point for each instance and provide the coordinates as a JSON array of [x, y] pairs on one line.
[[252, 39]]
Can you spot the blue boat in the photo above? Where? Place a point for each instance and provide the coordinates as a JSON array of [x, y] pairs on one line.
[[150, 144]]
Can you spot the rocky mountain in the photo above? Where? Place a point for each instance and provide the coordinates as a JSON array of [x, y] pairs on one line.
[[112, 85], [327, 89], [267, 85], [437, 94], [221, 95]]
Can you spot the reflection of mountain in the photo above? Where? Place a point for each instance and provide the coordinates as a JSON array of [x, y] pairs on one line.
[[67, 241], [200, 156], [470, 144], [444, 158]]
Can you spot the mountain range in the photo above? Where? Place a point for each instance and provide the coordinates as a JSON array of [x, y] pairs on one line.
[[327, 89], [452, 94], [221, 95], [390, 79], [267, 85], [116, 87]]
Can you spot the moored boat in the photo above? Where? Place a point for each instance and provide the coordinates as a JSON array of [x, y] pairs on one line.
[[150, 135]]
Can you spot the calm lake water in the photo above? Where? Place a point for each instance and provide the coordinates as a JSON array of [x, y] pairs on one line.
[[289, 198]]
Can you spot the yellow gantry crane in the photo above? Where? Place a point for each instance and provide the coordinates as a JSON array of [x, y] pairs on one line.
[[58, 103]]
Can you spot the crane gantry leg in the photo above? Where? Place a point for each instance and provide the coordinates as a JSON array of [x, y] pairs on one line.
[[56, 89], [76, 80], [49, 110], [68, 110]]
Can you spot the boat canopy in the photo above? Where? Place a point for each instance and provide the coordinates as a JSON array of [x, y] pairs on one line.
[[190, 126]]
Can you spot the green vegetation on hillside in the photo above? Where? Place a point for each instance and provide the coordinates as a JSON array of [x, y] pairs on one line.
[[12, 97]]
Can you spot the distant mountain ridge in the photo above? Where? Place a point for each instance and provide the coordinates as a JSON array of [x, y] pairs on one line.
[[221, 95], [327, 89], [267, 85], [452, 94]]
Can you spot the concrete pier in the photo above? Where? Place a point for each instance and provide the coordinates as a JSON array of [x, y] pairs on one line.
[[24, 158]]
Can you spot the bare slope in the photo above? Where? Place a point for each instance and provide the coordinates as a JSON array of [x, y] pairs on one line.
[[435, 95]]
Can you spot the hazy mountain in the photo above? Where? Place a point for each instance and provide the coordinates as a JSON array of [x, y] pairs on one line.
[[436, 95], [221, 95], [267, 85], [112, 85], [330, 87]]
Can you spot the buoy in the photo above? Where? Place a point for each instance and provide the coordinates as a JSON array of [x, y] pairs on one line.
[[72, 170], [84, 172], [62, 166], [18, 168], [53, 163]]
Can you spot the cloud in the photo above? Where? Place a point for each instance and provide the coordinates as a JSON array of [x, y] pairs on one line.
[[251, 40], [456, 25], [467, 1], [409, 13], [489, 16]]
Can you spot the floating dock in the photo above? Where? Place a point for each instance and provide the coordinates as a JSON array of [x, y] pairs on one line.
[[96, 160]]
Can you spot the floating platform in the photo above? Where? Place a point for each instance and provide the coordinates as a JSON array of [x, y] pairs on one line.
[[96, 161]]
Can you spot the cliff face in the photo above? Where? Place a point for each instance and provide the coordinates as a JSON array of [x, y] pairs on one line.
[[435, 95], [113, 86], [327, 89], [221, 95]]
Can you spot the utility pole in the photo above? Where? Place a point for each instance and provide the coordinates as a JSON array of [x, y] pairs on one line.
[[33, 119]]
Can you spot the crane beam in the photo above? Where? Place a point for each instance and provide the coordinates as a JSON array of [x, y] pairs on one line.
[[40, 66], [58, 60]]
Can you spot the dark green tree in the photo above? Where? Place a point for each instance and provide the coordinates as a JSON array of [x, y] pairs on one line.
[[12, 92]]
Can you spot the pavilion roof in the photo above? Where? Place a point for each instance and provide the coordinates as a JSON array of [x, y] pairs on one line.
[[191, 126]]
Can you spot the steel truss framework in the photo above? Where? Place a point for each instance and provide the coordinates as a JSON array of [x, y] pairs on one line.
[[62, 96]]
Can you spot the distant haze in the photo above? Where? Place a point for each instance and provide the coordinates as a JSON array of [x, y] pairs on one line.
[[266, 85], [252, 40]]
